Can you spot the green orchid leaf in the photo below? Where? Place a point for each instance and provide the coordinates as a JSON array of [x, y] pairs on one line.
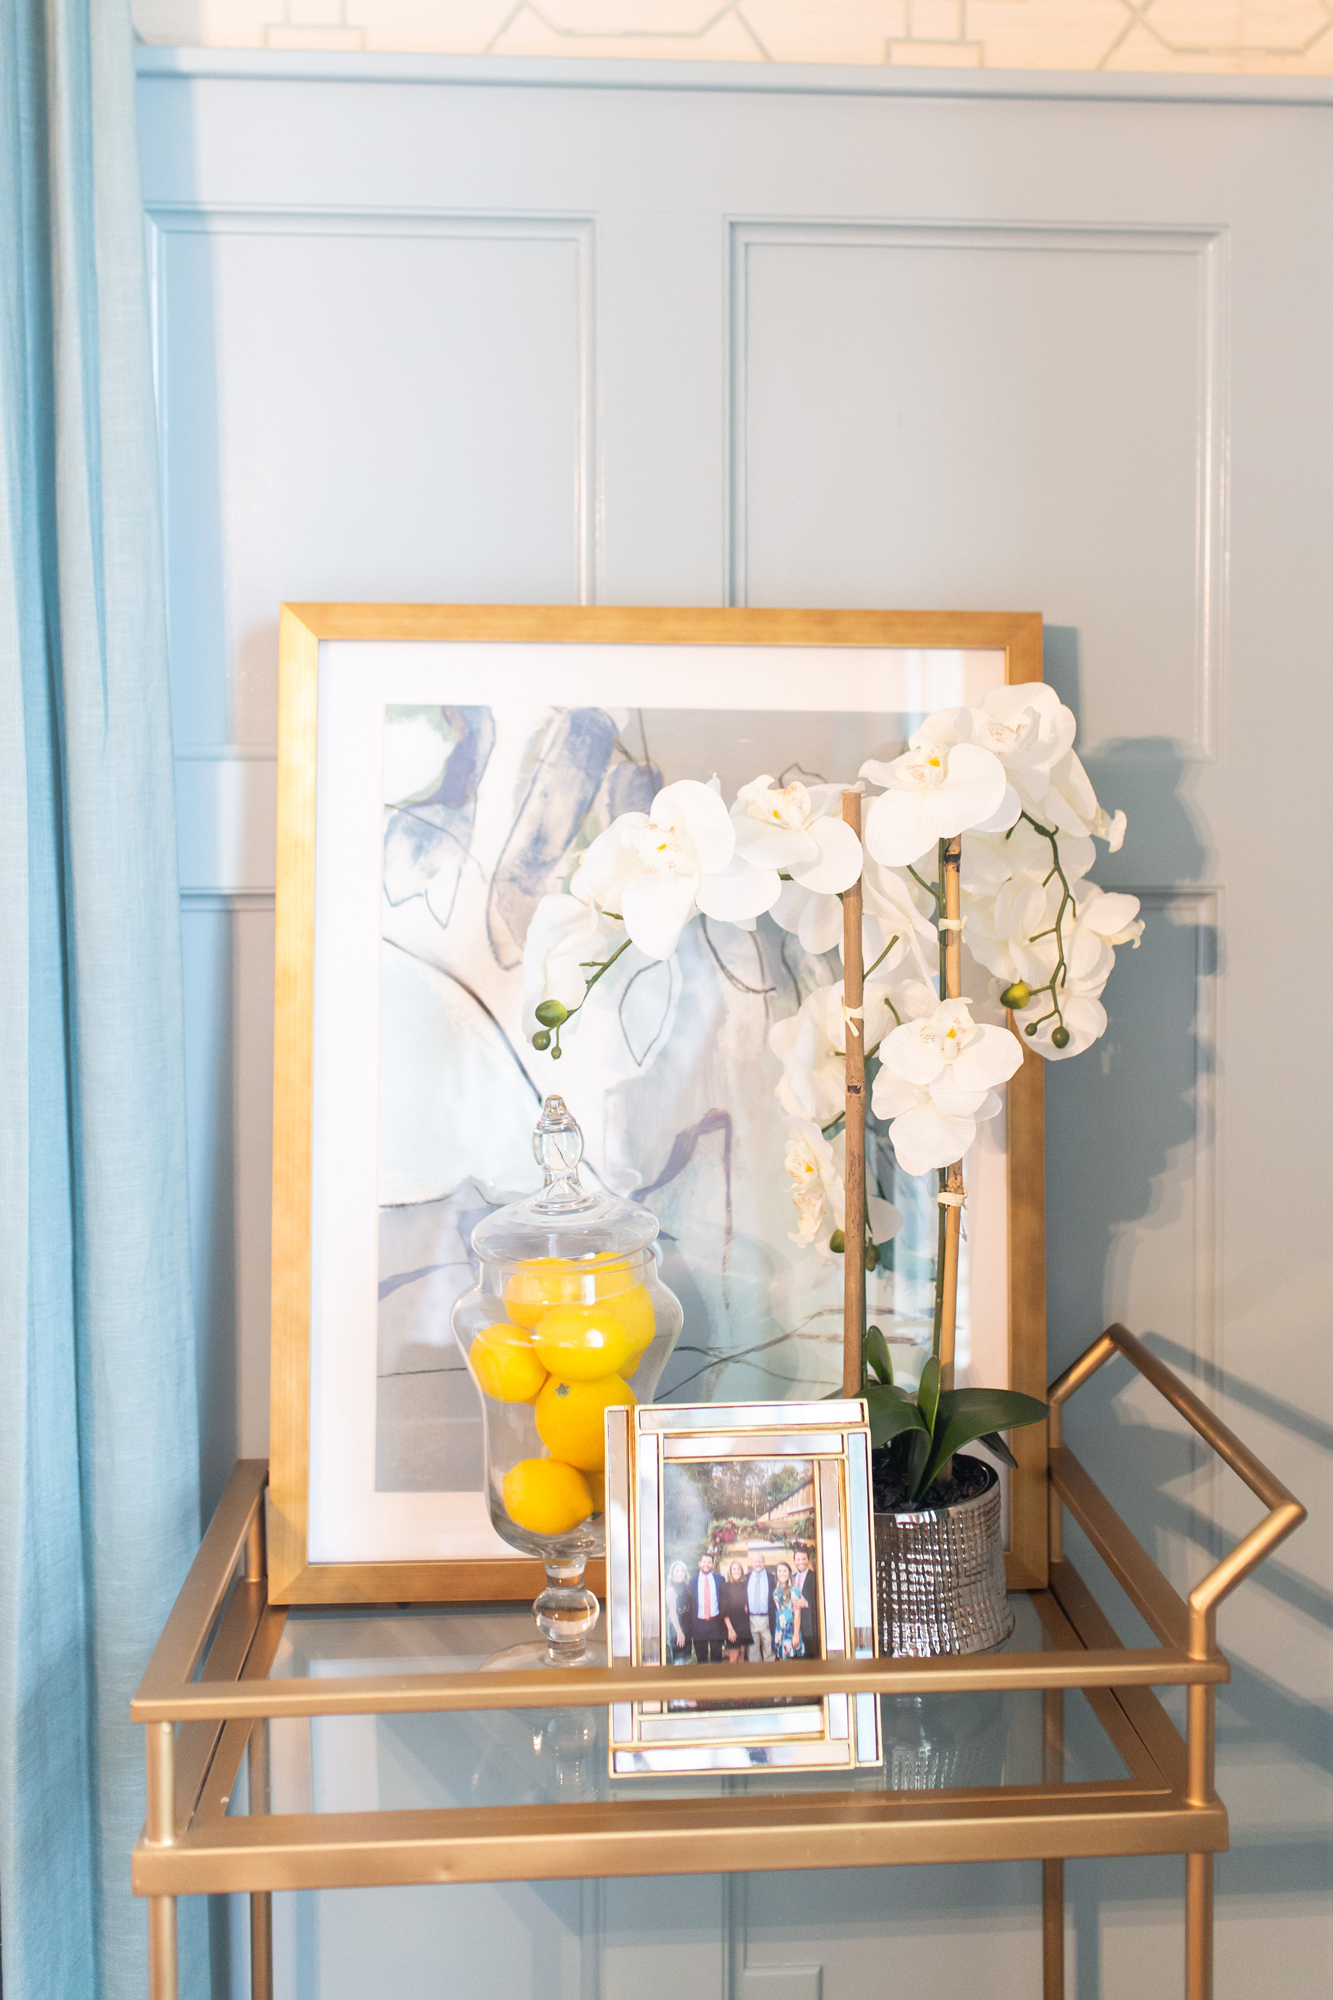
[[877, 1355], [915, 1448], [890, 1413], [995, 1443], [965, 1415], [928, 1395]]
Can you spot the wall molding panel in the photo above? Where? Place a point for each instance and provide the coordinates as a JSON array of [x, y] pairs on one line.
[[227, 821], [1206, 253], [168, 219], [207, 429]]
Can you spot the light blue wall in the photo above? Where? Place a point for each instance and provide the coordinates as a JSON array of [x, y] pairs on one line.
[[687, 336]]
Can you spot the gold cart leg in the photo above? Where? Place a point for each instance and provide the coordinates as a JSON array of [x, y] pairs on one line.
[[1052, 1930], [1198, 1927], [162, 1981], [160, 1831], [1200, 1752], [261, 1900], [1053, 1872], [261, 1945]]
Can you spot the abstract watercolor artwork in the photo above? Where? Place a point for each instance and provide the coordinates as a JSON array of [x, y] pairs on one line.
[[457, 784]]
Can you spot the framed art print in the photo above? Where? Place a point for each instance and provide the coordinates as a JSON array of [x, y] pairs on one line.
[[740, 1532], [441, 770]]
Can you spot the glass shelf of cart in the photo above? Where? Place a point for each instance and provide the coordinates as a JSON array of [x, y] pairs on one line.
[[510, 1757]]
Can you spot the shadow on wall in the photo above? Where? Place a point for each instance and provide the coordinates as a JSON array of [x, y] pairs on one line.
[[1129, 1140]]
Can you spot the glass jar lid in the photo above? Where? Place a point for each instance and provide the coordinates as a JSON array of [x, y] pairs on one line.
[[564, 1219]]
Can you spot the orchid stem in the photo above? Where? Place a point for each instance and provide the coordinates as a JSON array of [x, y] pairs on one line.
[[929, 887], [603, 966], [883, 955], [1056, 930]]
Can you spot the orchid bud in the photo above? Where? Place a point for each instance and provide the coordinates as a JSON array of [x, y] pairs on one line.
[[1017, 995], [1060, 1037], [551, 1013], [541, 1040], [837, 1242], [872, 1256]]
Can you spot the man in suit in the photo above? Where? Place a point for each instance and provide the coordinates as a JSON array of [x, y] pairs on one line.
[[759, 1600], [706, 1622], [805, 1601]]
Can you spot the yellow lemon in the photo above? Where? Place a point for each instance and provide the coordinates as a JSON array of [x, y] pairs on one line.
[[538, 1284], [582, 1343], [505, 1365], [570, 1414], [634, 1310], [546, 1496], [542, 1282]]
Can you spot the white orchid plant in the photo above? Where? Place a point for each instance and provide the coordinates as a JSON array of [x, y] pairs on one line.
[[998, 792]]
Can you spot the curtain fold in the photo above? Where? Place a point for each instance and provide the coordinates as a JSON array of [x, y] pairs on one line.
[[99, 1484]]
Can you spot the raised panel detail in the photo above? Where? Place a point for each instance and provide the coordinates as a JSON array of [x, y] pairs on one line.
[[375, 406], [960, 416], [226, 822]]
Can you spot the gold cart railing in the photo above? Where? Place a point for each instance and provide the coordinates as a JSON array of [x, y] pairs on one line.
[[207, 1688]]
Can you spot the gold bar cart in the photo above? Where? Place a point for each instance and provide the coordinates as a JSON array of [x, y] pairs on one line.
[[208, 1697]]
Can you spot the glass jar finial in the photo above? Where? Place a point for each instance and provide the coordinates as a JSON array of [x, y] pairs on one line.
[[557, 1144]]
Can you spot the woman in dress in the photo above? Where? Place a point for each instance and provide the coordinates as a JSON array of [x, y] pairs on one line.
[[678, 1614], [735, 1609], [786, 1630]]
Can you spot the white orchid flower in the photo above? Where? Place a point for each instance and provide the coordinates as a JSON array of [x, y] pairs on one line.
[[818, 1191], [1113, 915], [1070, 805], [1029, 729], [889, 912], [1102, 922], [937, 1078], [991, 859], [1010, 933], [655, 869], [894, 902], [816, 1188], [799, 830], [562, 935], [940, 786], [894, 930], [811, 1045], [1110, 829], [815, 919]]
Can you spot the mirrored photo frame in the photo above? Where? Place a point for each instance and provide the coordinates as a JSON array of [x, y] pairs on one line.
[[738, 1532]]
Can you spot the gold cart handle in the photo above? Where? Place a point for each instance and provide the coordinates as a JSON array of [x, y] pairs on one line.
[[1285, 1512]]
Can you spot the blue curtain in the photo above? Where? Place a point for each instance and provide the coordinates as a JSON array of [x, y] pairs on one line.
[[99, 1487]]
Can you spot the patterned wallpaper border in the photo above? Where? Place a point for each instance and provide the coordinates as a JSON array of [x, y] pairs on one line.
[[1236, 37]]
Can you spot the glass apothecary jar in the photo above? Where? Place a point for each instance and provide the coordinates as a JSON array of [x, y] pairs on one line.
[[569, 1317]]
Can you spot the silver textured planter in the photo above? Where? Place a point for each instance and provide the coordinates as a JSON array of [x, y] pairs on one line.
[[941, 1578]]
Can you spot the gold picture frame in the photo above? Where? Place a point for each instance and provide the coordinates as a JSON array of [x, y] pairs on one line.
[[293, 1577]]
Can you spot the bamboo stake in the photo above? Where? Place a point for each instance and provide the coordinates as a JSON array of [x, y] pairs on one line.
[[854, 1214], [953, 1183]]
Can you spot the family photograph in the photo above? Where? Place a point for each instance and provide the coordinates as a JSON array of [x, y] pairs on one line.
[[740, 1577]]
